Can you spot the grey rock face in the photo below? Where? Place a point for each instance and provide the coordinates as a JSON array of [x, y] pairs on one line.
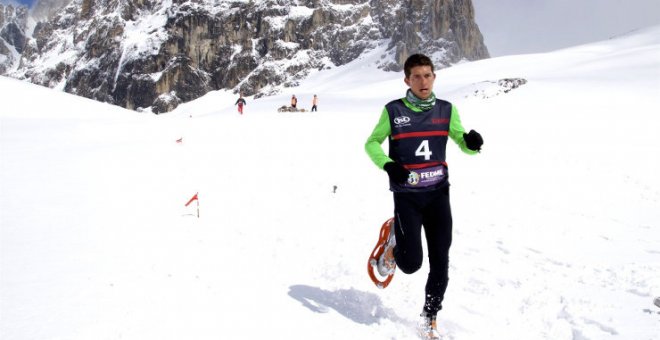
[[148, 53], [13, 21]]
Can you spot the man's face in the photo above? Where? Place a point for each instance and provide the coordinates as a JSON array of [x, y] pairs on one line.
[[421, 81]]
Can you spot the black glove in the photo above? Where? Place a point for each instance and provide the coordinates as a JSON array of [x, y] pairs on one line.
[[473, 140], [397, 173]]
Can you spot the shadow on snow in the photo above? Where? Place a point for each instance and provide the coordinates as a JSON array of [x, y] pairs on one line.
[[360, 307]]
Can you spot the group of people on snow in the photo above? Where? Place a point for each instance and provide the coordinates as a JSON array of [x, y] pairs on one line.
[[294, 103], [315, 102]]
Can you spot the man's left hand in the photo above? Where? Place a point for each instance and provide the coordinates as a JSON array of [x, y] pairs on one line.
[[473, 140]]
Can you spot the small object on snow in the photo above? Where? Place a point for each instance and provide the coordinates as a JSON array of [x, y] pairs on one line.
[[334, 189], [285, 108], [383, 239], [490, 88], [180, 140], [657, 301]]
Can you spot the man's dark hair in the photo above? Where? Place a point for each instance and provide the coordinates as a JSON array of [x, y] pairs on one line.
[[416, 60]]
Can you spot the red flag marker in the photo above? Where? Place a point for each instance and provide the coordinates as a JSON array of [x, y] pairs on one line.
[[194, 198]]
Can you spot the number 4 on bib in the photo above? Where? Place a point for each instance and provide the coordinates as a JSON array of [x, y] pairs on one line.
[[423, 150]]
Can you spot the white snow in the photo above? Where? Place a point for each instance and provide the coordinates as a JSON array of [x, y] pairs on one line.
[[275, 23], [62, 53], [351, 8], [300, 12], [144, 36], [287, 45], [556, 222]]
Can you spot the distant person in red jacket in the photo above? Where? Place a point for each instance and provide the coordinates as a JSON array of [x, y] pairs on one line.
[[240, 102]]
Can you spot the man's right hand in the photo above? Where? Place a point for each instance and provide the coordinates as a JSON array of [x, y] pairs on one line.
[[397, 173]]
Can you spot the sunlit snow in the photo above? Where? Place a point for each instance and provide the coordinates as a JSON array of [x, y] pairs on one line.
[[556, 222]]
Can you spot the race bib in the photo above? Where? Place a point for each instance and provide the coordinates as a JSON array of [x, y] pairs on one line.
[[426, 177]]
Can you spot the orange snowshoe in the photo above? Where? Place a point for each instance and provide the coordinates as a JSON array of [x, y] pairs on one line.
[[384, 268]]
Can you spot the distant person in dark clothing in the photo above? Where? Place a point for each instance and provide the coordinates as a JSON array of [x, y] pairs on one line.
[[315, 102], [294, 101]]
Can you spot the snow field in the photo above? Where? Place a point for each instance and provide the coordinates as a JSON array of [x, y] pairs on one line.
[[555, 222]]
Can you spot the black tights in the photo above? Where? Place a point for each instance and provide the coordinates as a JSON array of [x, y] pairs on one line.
[[432, 210]]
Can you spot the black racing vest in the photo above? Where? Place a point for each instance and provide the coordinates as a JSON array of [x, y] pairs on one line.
[[418, 142]]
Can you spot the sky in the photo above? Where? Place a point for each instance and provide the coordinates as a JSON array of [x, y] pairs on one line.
[[23, 2], [531, 26]]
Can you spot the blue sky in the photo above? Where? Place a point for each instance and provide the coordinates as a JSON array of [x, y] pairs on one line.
[[24, 2]]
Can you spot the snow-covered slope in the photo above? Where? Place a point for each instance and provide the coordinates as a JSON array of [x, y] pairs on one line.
[[555, 222]]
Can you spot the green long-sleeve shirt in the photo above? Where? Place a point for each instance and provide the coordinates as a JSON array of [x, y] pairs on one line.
[[383, 130]]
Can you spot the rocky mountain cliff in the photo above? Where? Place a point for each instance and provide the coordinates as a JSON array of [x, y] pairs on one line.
[[13, 21], [158, 53]]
